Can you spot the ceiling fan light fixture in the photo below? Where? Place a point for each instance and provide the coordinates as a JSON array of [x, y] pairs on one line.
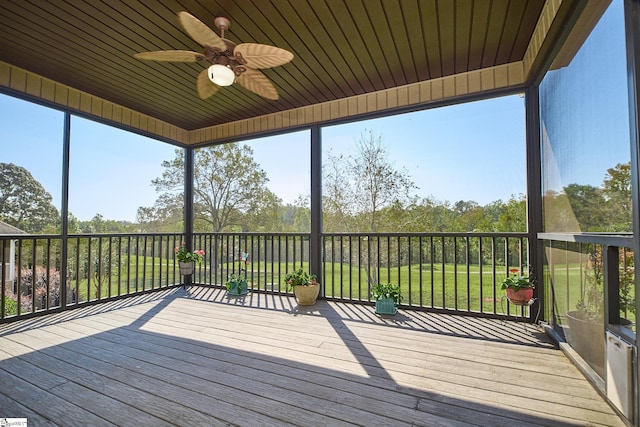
[[229, 62], [221, 75]]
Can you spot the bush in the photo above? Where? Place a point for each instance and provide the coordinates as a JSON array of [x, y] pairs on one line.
[[30, 282], [10, 306], [386, 290]]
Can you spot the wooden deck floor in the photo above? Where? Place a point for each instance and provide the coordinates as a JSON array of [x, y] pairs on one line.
[[197, 358]]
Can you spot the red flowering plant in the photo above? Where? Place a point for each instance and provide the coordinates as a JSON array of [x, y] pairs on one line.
[[184, 255], [516, 281]]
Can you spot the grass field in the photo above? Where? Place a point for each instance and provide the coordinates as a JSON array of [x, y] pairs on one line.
[[442, 286]]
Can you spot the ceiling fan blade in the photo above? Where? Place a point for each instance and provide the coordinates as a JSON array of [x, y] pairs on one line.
[[200, 32], [170, 55], [262, 55], [206, 87], [258, 83]]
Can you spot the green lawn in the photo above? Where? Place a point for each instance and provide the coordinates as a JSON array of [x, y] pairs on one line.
[[445, 286]]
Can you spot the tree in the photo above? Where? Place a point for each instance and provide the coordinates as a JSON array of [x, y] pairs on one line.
[[165, 216], [24, 203], [513, 216], [267, 217], [586, 202], [363, 191], [359, 186], [228, 184], [378, 183], [98, 224], [337, 206], [617, 192]]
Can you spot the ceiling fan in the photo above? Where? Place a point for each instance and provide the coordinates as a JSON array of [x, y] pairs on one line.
[[230, 62]]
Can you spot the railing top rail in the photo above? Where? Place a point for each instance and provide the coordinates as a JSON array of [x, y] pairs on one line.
[[292, 234], [29, 236], [435, 234], [365, 234], [249, 233], [81, 235], [85, 235], [610, 239]]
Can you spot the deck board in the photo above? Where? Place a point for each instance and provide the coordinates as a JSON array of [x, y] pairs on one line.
[[195, 357]]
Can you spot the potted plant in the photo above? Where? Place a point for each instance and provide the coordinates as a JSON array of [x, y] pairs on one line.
[[236, 285], [304, 285], [188, 259], [519, 288], [387, 297]]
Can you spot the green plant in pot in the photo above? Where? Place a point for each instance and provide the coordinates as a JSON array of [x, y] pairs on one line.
[[187, 259], [518, 288], [236, 285], [387, 297], [304, 285]]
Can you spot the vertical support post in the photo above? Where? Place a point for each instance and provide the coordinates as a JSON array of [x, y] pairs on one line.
[[315, 245], [64, 209], [189, 168], [534, 197], [632, 32], [611, 285]]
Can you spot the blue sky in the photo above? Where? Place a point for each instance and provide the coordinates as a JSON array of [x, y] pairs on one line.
[[473, 151], [467, 152], [585, 110]]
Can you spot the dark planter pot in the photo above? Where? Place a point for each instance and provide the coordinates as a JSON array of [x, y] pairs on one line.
[[521, 296], [586, 337]]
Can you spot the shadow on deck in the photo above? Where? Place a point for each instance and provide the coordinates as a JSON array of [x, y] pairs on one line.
[[198, 357]]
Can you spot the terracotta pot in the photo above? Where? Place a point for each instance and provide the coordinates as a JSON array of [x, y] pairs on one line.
[[307, 295], [520, 297]]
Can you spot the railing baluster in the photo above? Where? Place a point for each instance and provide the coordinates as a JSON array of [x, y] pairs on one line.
[[341, 240], [468, 265], [3, 278], [279, 261], [332, 264], [33, 274], [480, 272], [443, 267], [402, 258], [431, 268], [493, 273], [409, 270], [420, 273], [455, 273]]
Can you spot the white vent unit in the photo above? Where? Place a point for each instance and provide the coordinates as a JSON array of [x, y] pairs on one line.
[[620, 374]]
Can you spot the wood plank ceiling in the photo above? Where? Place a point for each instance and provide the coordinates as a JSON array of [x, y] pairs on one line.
[[341, 48]]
